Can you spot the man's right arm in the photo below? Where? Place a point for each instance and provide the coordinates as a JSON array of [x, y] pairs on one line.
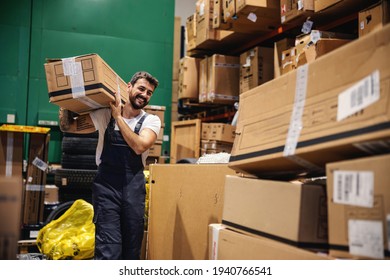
[[82, 124]]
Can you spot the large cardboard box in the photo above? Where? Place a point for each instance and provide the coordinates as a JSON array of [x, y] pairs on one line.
[[228, 244], [317, 43], [223, 77], [83, 83], [359, 208], [289, 212], [10, 213], [189, 78], [256, 67], [218, 131], [184, 200], [302, 120], [374, 17]]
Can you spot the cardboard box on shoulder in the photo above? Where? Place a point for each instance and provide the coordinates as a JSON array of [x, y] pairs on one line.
[[359, 207], [83, 83], [317, 114]]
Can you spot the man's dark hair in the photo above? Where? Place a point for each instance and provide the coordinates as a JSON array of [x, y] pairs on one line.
[[144, 75]]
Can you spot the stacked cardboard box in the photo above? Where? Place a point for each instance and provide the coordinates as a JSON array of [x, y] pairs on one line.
[[216, 138], [250, 16], [188, 79], [256, 67], [359, 207], [309, 47], [279, 132], [266, 219], [219, 79], [228, 244]]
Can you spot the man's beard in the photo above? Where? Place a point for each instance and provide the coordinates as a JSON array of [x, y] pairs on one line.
[[137, 106]]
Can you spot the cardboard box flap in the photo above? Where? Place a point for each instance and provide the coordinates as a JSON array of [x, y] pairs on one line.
[[49, 60]]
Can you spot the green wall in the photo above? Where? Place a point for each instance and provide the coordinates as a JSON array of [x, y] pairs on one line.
[[129, 35]]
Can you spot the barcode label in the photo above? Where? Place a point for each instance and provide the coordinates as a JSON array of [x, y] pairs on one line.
[[365, 238], [40, 164], [354, 188], [359, 96]]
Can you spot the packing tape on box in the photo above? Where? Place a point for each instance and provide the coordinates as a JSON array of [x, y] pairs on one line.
[[74, 71], [296, 125], [227, 65], [9, 156], [213, 96]]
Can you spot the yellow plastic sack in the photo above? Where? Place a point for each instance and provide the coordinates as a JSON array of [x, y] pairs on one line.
[[71, 236]]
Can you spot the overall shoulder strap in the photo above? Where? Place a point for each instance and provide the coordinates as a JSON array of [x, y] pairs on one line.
[[139, 123]]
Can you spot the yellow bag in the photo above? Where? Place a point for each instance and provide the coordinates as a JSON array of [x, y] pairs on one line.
[[71, 236]]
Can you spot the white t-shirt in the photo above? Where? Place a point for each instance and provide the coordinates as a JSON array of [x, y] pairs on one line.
[[102, 117]]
